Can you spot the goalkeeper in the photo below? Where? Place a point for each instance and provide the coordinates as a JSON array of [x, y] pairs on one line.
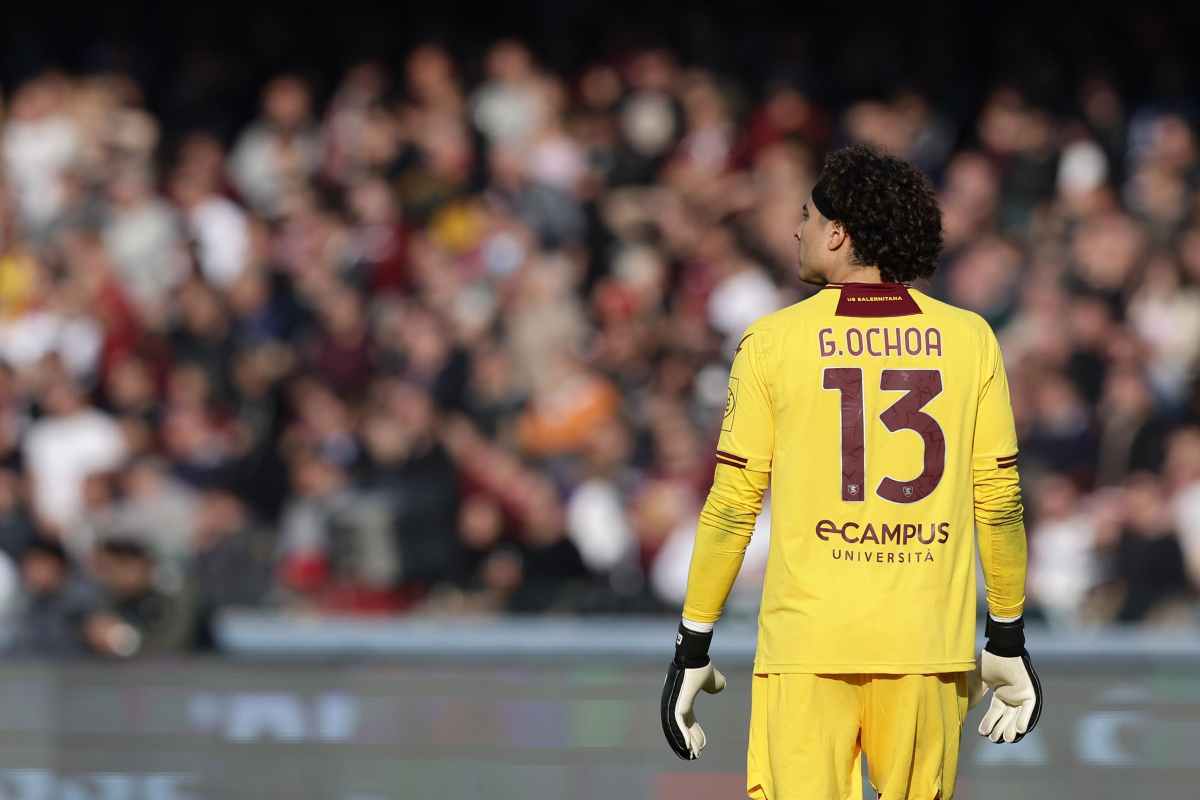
[[881, 419]]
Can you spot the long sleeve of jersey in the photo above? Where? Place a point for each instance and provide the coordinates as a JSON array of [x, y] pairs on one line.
[[739, 481], [999, 516], [722, 535]]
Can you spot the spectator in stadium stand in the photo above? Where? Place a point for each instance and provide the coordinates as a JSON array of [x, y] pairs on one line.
[[337, 547], [40, 143], [1165, 312], [553, 575], [143, 237], [161, 618], [201, 338], [1133, 431], [233, 563], [486, 560], [1058, 434], [200, 444], [409, 467], [16, 528], [131, 394], [63, 447], [1065, 566], [279, 150], [219, 228], [1183, 476], [58, 602], [258, 414], [493, 395], [596, 517], [156, 507], [1148, 562]]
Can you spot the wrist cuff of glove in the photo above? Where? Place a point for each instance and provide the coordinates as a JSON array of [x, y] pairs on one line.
[[1005, 639], [691, 648]]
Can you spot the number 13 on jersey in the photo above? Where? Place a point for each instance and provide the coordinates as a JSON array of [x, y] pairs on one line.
[[919, 387]]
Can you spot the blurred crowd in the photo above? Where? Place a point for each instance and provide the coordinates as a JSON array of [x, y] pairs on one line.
[[443, 344]]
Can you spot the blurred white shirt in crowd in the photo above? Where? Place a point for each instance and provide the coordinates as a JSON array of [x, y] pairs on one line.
[[222, 232], [1170, 325], [1063, 566], [27, 339], [669, 573], [556, 161], [144, 244], [597, 525], [739, 300], [506, 112], [10, 598], [263, 164], [1186, 508], [36, 153], [61, 452]]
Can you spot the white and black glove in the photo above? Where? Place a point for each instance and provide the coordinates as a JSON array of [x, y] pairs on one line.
[[1016, 691], [690, 671]]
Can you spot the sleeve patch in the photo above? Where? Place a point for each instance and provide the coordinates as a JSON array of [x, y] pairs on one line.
[[730, 405]]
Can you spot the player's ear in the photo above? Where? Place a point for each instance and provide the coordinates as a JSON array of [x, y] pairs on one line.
[[837, 237]]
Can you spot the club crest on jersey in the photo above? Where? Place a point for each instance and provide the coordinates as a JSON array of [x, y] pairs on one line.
[[730, 405]]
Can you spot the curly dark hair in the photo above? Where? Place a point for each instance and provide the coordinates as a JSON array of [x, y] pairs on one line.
[[889, 209]]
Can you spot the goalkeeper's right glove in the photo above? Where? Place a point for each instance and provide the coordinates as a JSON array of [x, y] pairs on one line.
[[1016, 692], [690, 671]]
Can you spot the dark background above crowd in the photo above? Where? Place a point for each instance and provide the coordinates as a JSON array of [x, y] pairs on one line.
[[201, 65]]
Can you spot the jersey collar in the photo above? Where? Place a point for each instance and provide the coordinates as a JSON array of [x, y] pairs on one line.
[[874, 300]]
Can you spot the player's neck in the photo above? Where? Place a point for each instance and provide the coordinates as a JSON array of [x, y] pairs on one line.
[[854, 273]]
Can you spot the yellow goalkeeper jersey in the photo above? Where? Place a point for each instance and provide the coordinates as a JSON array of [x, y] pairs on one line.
[[881, 418]]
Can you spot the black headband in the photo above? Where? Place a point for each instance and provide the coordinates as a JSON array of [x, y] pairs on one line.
[[820, 199]]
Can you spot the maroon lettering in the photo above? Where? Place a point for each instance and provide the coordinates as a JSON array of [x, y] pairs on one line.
[[854, 341], [920, 386], [891, 347], [933, 341], [848, 381], [871, 333], [825, 340], [912, 341]]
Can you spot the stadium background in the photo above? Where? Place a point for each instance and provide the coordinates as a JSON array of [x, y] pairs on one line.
[[360, 371]]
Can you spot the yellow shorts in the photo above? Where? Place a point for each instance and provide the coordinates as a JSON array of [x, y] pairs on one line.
[[807, 733]]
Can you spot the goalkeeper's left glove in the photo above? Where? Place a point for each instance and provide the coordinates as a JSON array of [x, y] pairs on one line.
[[690, 671], [1016, 692]]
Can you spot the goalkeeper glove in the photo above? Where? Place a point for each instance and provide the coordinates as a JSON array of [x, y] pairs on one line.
[[1016, 692], [690, 671]]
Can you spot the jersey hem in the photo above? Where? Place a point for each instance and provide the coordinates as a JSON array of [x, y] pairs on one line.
[[878, 668]]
